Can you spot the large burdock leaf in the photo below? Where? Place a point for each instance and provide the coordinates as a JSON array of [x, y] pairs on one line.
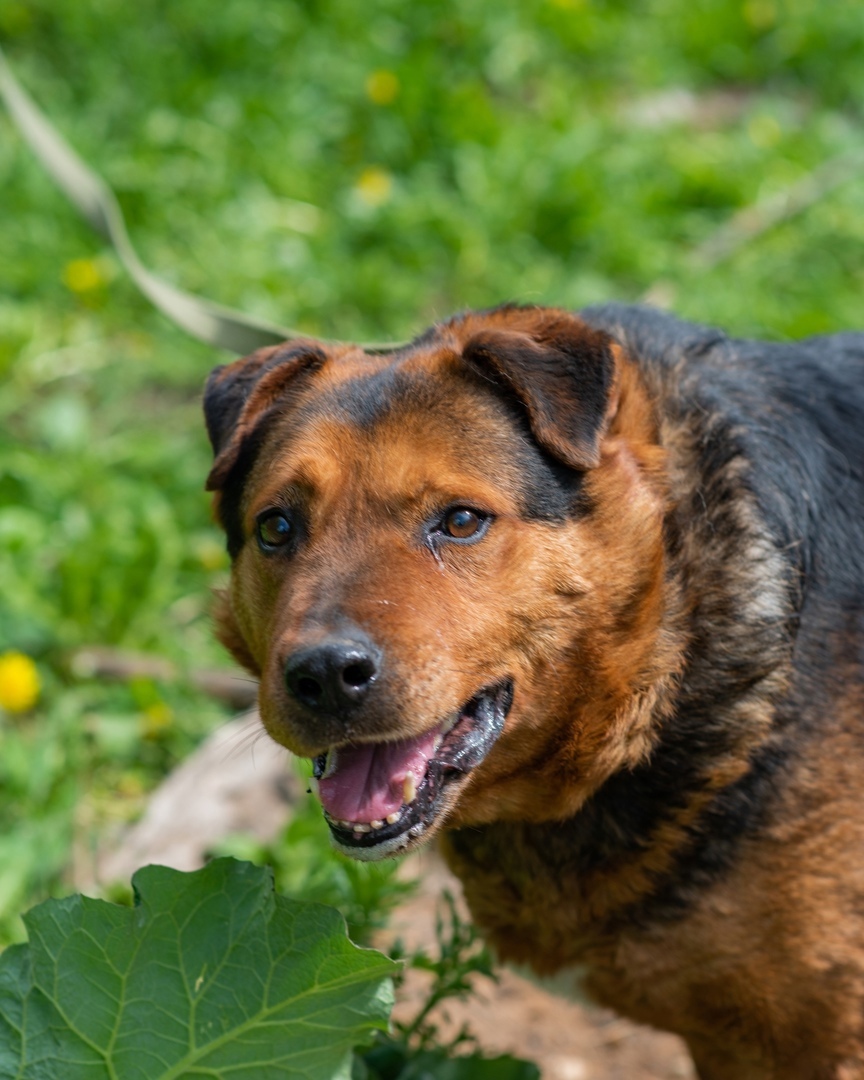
[[210, 975]]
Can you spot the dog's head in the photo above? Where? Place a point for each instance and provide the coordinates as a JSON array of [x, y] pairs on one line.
[[447, 567]]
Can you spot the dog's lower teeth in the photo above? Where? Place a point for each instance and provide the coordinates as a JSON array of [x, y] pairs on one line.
[[361, 828], [393, 818], [376, 824], [409, 788]]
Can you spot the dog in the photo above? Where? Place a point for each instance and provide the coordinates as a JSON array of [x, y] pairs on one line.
[[583, 594]]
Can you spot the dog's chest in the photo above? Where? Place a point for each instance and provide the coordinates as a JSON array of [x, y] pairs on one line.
[[535, 909], [541, 916]]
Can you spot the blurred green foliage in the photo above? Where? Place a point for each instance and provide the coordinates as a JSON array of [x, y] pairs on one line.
[[355, 170]]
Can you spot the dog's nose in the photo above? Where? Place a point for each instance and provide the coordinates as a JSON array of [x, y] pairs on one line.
[[334, 675]]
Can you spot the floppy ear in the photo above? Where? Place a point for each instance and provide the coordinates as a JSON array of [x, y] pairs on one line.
[[560, 370], [239, 396]]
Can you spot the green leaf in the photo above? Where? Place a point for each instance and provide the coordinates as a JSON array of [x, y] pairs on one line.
[[14, 980], [211, 974], [438, 1064], [395, 1061]]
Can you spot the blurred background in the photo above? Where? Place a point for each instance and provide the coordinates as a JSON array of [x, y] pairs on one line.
[[355, 170]]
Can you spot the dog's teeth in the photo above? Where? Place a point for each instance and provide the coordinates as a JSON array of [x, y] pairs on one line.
[[329, 764], [361, 828], [393, 818], [409, 788], [376, 824], [438, 740]]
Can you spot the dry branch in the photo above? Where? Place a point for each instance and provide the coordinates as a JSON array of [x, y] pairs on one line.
[[236, 690]]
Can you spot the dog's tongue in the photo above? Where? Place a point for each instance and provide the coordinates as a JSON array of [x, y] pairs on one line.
[[368, 781]]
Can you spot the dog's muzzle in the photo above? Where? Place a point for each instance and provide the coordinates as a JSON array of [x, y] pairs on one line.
[[379, 798]]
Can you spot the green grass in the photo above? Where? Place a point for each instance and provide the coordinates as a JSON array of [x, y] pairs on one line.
[[355, 170]]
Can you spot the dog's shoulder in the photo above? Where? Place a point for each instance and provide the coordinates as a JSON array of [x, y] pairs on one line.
[[818, 379], [789, 413]]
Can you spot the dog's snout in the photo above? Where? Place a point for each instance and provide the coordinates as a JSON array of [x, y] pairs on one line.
[[333, 676]]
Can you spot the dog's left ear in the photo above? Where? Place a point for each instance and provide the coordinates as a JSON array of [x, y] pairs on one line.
[[563, 374], [238, 398]]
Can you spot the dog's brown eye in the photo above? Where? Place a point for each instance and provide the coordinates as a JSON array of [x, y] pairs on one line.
[[274, 530], [462, 523]]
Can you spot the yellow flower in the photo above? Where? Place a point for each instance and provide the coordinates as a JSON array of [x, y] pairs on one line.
[[129, 786], [211, 554], [764, 131], [83, 275], [760, 14], [374, 185], [156, 719], [19, 682], [382, 87]]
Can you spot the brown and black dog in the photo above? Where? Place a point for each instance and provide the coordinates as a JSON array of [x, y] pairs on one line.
[[584, 594]]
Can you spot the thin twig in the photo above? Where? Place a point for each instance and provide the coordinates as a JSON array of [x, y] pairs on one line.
[[771, 211], [103, 662]]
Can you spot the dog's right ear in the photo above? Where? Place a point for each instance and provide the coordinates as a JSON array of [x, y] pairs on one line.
[[238, 397], [560, 371]]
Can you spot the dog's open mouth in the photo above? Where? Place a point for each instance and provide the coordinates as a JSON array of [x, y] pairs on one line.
[[379, 798]]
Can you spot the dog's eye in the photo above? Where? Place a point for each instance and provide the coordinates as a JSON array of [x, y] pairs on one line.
[[464, 524], [274, 530]]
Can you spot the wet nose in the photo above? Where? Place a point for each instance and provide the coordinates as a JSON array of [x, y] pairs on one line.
[[335, 675]]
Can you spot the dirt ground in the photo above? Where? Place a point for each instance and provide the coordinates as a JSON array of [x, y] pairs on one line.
[[568, 1040]]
